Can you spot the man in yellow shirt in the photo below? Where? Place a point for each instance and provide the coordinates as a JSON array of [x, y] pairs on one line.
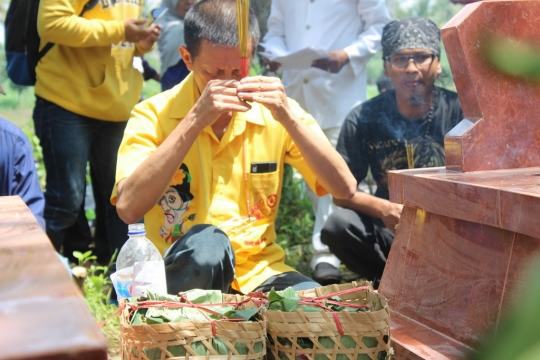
[[86, 87], [202, 163]]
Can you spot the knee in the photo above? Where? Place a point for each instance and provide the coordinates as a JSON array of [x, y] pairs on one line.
[[336, 226], [209, 245]]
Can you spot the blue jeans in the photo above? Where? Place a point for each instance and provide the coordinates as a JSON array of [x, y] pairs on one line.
[[69, 141], [203, 258]]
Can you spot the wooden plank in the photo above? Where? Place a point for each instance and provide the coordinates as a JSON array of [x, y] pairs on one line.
[[42, 312]]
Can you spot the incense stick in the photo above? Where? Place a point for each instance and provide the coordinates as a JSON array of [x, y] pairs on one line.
[[242, 10], [409, 148]]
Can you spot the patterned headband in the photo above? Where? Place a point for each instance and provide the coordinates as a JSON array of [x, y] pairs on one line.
[[411, 33]]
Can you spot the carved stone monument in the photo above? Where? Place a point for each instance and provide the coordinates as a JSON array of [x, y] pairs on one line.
[[468, 230]]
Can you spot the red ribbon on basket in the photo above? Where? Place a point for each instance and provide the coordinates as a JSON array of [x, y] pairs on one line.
[[258, 298], [319, 302], [173, 304]]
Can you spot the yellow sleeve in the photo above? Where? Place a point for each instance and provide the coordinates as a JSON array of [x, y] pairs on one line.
[[59, 22], [142, 137], [141, 52], [293, 156]]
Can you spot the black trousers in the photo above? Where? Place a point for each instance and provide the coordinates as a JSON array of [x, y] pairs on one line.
[[203, 258], [361, 242]]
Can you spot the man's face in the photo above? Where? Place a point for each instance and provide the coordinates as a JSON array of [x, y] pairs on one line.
[[215, 63], [413, 81]]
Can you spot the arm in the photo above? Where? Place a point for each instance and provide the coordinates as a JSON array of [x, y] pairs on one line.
[[375, 16], [25, 182], [275, 34], [331, 170], [59, 22], [152, 177], [352, 146], [373, 206]]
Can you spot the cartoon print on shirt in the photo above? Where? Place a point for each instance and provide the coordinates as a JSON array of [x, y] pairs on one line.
[[175, 204], [264, 205]]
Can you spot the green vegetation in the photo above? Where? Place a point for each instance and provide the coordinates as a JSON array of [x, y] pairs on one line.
[[97, 289]]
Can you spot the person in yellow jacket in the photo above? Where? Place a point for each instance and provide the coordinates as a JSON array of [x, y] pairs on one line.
[[85, 90], [203, 164]]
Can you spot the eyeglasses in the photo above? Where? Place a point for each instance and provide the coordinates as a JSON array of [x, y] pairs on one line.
[[401, 61], [173, 199]]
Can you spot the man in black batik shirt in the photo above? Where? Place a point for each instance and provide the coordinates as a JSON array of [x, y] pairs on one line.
[[399, 129]]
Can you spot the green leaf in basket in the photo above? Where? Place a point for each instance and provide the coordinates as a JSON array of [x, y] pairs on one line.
[[309, 308], [245, 314], [220, 346], [288, 293], [370, 342], [155, 320], [244, 350], [164, 313], [326, 343], [258, 346], [283, 356], [138, 316], [177, 350], [288, 305], [305, 343], [241, 348], [198, 296], [284, 342], [274, 296], [152, 353], [348, 341], [161, 297], [199, 348], [184, 314]]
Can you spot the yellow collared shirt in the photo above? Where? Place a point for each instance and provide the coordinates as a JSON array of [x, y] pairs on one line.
[[211, 186]]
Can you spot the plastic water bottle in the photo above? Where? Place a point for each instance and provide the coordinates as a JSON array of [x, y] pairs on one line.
[[137, 248], [137, 251]]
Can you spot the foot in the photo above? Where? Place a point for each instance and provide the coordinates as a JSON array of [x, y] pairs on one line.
[[326, 274]]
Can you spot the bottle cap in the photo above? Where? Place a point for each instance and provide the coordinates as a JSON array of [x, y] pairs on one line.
[[136, 229]]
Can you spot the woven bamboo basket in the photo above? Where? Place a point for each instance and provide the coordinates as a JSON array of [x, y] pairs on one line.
[[178, 340], [320, 336]]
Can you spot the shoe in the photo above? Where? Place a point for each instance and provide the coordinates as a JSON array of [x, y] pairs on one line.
[[326, 274]]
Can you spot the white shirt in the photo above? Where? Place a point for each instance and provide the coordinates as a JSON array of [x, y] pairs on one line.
[[351, 25]]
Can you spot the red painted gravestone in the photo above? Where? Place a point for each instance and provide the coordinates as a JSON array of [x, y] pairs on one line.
[[468, 230]]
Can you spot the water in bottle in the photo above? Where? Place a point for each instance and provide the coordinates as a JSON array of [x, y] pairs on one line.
[[139, 265]]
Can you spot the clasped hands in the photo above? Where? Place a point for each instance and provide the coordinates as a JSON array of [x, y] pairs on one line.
[[223, 96]]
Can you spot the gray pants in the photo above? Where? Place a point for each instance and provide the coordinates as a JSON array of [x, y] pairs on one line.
[[203, 258], [361, 242]]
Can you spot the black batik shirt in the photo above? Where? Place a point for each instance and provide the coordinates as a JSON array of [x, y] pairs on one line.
[[375, 135]]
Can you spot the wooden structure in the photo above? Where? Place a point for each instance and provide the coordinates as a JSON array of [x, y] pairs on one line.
[[468, 230], [42, 312]]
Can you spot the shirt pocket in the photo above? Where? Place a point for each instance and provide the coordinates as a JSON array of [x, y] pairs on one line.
[[264, 197]]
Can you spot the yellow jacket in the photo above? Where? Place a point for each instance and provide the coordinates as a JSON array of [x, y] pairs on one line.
[[89, 70], [216, 183]]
